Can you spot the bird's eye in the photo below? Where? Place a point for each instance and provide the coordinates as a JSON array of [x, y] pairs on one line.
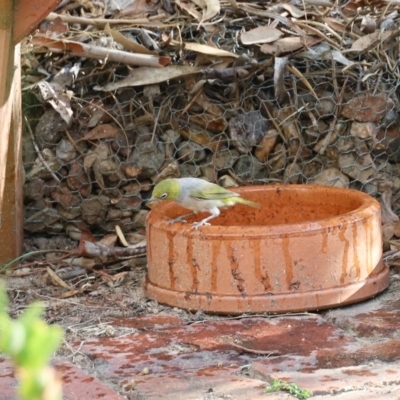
[[164, 196]]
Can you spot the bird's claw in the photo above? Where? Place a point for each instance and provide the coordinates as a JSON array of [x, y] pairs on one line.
[[196, 225], [179, 219]]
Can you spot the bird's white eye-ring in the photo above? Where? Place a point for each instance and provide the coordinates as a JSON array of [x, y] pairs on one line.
[[164, 196]]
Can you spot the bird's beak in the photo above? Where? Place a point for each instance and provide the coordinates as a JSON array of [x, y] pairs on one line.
[[152, 202]]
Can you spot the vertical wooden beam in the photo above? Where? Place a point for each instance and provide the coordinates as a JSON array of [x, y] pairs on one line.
[[12, 207], [10, 199], [17, 19]]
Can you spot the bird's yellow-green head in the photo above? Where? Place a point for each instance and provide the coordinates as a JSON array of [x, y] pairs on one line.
[[168, 189]]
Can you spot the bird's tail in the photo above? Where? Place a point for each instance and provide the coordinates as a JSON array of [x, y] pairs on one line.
[[249, 203]]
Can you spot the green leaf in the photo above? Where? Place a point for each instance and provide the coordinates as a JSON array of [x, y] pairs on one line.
[[42, 339], [30, 342]]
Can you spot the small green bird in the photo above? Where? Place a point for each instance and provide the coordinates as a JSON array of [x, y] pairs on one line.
[[197, 195]]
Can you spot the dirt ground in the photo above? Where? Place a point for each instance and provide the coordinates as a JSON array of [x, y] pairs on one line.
[[87, 314]]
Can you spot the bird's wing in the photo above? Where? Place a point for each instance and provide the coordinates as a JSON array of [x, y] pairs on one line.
[[211, 192]]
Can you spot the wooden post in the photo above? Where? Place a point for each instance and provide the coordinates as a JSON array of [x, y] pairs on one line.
[[10, 140], [12, 210], [17, 19]]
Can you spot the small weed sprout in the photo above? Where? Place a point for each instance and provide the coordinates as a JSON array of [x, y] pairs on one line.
[[292, 388]]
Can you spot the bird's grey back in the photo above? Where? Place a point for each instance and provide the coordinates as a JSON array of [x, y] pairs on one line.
[[191, 183], [195, 183]]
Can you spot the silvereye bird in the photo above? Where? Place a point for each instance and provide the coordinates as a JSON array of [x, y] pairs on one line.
[[197, 195]]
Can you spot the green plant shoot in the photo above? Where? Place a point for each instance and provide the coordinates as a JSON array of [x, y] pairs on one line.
[[30, 343]]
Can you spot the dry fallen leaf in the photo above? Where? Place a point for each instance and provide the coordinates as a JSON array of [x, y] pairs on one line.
[[352, 5], [191, 10], [388, 215], [57, 279], [368, 107], [387, 232], [293, 10], [212, 51], [397, 229], [150, 76], [367, 42], [335, 24], [212, 8], [262, 34], [56, 26], [121, 236], [127, 43], [136, 7], [101, 132], [324, 52], [368, 24], [288, 45], [56, 96], [78, 180]]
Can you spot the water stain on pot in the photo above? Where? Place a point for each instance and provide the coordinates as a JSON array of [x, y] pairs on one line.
[[171, 258]]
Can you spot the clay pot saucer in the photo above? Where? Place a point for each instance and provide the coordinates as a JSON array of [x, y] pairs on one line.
[[307, 248]]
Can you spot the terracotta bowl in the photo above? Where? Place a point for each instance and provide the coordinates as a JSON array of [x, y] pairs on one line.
[[306, 248]]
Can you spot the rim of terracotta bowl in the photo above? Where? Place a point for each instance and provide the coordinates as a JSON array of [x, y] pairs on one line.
[[357, 214], [364, 211]]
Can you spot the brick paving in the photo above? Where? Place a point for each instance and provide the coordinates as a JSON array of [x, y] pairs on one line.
[[348, 353]]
